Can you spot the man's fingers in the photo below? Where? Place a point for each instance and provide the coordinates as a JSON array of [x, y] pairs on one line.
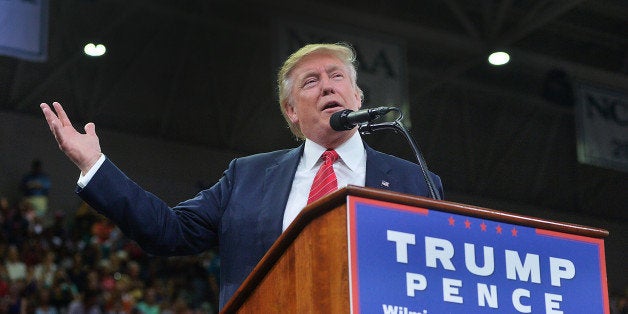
[[65, 121], [55, 127], [53, 122], [46, 110], [48, 114], [43, 106], [90, 128]]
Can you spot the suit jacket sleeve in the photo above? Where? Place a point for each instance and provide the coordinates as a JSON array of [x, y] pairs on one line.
[[188, 228]]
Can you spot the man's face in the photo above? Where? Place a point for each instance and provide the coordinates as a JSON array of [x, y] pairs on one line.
[[321, 86]]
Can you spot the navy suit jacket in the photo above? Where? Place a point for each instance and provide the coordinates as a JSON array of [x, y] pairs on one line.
[[242, 212]]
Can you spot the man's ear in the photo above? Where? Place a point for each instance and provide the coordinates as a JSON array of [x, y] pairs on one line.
[[291, 112], [358, 98]]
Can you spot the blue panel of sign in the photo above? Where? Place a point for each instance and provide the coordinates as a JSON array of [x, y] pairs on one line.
[[406, 260]]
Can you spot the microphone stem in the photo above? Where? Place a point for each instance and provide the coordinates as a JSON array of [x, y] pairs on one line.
[[396, 126]]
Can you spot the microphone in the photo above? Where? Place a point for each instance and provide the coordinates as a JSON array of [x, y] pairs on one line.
[[347, 119]]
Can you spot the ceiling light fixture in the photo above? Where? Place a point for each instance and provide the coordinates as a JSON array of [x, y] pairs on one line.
[[498, 58], [94, 50]]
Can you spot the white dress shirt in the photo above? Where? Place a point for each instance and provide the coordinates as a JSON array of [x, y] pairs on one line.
[[85, 178], [350, 169]]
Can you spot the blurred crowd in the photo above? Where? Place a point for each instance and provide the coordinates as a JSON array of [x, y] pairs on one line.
[[77, 261]]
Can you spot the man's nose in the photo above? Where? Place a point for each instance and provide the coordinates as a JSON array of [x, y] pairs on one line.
[[327, 86]]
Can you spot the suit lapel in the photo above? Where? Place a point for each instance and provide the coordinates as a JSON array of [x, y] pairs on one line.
[[277, 184], [378, 171]]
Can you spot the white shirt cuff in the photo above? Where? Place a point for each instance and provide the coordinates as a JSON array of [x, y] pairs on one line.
[[83, 180]]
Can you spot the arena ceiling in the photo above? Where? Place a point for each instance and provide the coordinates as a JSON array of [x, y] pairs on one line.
[[201, 72]]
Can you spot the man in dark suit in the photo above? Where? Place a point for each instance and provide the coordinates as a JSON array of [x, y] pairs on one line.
[[258, 196]]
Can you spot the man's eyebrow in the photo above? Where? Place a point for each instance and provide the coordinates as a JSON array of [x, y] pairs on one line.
[[308, 73], [333, 67]]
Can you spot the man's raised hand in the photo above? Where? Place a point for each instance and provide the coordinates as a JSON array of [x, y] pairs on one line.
[[82, 149]]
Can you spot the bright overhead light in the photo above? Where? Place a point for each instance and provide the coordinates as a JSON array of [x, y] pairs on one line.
[[94, 50], [498, 58]]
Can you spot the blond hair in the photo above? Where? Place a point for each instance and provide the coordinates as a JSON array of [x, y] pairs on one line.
[[344, 52]]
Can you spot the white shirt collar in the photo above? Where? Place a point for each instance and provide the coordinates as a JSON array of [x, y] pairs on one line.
[[351, 152]]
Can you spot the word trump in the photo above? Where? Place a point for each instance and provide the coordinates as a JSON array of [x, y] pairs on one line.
[[439, 253]]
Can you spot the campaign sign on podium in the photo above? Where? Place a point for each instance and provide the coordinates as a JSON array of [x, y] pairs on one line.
[[406, 260]]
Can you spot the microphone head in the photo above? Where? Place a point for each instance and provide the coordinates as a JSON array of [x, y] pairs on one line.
[[338, 121]]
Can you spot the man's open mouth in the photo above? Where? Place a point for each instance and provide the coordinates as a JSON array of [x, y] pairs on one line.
[[331, 105]]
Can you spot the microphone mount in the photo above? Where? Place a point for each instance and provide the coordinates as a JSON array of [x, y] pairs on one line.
[[397, 126]]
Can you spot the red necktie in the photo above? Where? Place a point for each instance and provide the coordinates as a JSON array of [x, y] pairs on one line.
[[325, 180]]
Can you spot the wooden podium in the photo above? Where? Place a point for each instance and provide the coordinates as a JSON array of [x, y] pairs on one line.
[[308, 268]]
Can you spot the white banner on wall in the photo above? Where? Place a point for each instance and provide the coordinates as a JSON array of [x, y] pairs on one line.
[[381, 59], [602, 124], [24, 29]]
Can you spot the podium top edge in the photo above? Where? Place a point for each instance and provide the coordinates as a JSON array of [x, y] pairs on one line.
[[459, 208]]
